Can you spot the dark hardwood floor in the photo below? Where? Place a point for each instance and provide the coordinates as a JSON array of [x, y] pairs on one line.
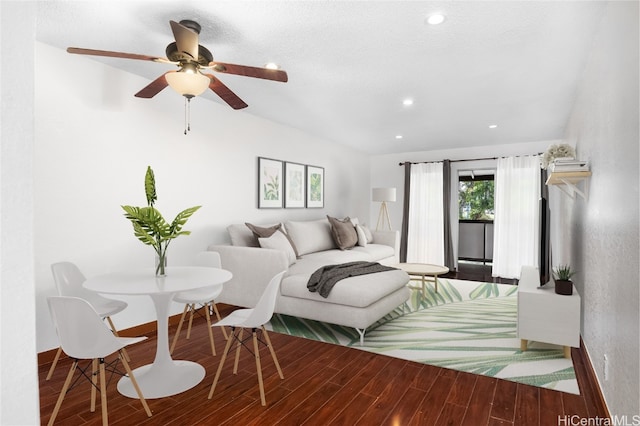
[[475, 271], [323, 384]]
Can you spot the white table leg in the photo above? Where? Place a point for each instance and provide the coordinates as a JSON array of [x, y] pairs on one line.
[[165, 377]]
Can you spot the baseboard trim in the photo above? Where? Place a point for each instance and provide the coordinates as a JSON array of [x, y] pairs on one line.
[[146, 329], [592, 377]]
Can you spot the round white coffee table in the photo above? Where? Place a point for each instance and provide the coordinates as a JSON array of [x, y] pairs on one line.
[[420, 271]]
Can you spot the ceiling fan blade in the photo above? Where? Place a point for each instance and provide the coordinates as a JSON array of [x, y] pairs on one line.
[[225, 93], [186, 39], [94, 52], [247, 71], [154, 87]]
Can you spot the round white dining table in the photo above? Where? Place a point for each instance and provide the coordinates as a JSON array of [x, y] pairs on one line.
[[165, 376]]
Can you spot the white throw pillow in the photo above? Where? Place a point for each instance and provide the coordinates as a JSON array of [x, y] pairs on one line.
[[368, 233], [362, 237], [278, 241]]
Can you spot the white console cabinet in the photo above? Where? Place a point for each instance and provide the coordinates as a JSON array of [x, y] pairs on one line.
[[544, 316]]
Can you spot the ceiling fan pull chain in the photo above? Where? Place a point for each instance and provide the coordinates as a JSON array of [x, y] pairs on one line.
[[186, 116], [189, 114]]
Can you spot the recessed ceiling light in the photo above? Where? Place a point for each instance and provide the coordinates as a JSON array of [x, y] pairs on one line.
[[407, 102], [493, 126], [398, 136], [272, 66], [435, 19]]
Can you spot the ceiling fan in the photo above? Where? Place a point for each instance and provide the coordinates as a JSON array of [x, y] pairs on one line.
[[191, 58]]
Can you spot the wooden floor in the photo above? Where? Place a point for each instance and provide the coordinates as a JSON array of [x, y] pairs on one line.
[[475, 271], [323, 384]]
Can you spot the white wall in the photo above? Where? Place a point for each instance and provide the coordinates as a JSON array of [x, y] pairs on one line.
[[93, 142], [603, 232], [19, 403]]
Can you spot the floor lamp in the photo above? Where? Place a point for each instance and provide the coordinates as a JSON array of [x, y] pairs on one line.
[[383, 195]]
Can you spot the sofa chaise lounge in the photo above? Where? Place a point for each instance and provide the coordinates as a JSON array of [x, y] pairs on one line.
[[357, 301]]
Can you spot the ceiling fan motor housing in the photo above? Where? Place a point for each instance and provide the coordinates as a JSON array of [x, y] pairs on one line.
[[174, 55], [192, 25]]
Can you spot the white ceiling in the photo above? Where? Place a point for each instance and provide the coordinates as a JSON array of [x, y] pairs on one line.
[[351, 63]]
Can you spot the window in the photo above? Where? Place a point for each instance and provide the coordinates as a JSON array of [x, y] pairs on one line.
[[475, 196]]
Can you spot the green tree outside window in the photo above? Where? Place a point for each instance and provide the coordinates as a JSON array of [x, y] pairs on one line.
[[476, 200]]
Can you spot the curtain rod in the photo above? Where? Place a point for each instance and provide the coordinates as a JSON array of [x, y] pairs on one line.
[[455, 161]]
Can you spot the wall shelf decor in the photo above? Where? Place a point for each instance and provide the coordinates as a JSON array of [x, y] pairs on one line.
[[568, 182]]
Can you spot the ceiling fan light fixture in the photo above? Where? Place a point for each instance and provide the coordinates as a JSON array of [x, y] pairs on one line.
[[188, 83], [272, 66]]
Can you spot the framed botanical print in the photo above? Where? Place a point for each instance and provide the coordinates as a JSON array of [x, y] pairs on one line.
[[294, 185], [315, 187], [270, 187]]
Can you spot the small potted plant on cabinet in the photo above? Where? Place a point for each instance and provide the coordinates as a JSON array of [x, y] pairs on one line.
[[562, 275]]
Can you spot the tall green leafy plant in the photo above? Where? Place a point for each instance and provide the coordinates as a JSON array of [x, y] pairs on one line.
[[151, 228]]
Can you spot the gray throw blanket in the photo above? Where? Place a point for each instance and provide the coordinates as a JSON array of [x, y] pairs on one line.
[[323, 280]]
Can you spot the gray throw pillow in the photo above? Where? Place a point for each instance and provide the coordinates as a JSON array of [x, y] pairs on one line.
[[343, 232], [262, 232]]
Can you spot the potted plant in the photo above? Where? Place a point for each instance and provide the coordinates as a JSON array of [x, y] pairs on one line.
[[151, 228], [562, 275]]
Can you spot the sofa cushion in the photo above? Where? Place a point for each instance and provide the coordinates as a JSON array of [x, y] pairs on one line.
[[310, 236], [343, 232], [360, 291], [242, 236], [335, 256], [375, 252], [308, 263], [279, 241]]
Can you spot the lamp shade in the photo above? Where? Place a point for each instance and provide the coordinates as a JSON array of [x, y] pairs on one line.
[[188, 84], [383, 194]]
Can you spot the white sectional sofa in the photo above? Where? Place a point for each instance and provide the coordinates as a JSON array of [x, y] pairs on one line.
[[357, 301]]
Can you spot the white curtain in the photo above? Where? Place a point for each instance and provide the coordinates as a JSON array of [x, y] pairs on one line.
[[516, 222], [425, 239]]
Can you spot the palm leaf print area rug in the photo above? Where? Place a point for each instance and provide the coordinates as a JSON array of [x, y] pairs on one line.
[[468, 326]]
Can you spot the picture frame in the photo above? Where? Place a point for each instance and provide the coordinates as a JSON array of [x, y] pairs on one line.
[[270, 183], [294, 185], [315, 187]]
